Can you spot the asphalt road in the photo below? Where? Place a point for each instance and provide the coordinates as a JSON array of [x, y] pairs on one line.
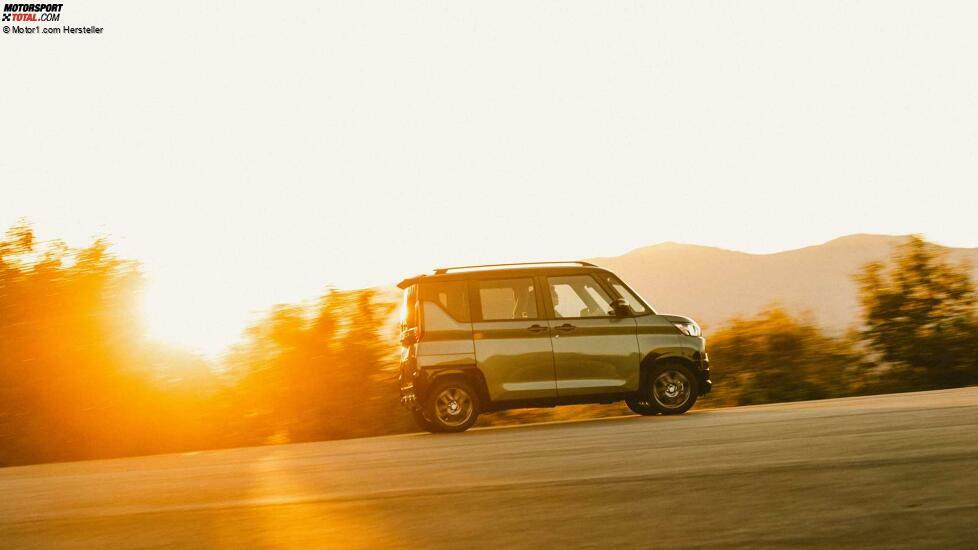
[[893, 471]]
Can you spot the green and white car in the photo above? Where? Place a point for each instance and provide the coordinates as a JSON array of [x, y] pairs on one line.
[[478, 339]]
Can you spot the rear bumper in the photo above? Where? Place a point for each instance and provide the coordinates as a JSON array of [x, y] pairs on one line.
[[409, 399]]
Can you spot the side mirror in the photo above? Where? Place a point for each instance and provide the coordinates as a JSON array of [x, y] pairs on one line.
[[620, 307]]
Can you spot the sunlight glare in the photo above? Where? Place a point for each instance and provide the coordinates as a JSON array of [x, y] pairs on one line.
[[194, 318]]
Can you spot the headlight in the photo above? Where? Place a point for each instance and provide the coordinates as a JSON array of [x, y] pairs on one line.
[[689, 328]]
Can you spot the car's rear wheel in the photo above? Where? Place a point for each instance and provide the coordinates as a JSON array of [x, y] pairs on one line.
[[452, 406], [668, 389], [422, 422]]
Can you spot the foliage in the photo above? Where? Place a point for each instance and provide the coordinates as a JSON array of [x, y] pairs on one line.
[[774, 357], [77, 380], [920, 316], [320, 373]]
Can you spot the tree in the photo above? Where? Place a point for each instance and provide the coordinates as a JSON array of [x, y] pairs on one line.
[[308, 373], [68, 325], [78, 378], [919, 316], [774, 357]]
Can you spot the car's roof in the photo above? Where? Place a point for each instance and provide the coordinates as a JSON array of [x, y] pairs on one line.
[[496, 271]]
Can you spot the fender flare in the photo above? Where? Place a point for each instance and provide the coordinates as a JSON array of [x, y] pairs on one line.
[[652, 360], [470, 373]]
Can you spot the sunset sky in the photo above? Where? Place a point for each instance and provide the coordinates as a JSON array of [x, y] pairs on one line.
[[253, 153]]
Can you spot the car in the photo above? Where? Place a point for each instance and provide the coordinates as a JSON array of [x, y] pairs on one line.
[[486, 338]]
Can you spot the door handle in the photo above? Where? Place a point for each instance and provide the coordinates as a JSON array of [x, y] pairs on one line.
[[566, 327], [536, 328]]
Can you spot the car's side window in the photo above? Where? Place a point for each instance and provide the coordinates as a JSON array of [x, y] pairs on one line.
[[445, 299], [631, 299], [507, 299], [575, 296]]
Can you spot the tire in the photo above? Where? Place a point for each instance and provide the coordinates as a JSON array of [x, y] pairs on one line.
[[423, 422], [669, 389], [452, 406], [640, 406]]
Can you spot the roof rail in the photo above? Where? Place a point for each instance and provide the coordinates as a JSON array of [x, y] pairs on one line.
[[444, 270]]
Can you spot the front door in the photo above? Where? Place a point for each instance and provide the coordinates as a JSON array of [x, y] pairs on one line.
[[595, 351], [512, 339]]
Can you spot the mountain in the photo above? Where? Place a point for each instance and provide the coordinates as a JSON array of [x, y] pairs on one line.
[[712, 285]]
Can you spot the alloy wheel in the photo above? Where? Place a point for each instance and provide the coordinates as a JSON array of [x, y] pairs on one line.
[[454, 406], [671, 389]]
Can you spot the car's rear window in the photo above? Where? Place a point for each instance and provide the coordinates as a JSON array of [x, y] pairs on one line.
[[409, 310]]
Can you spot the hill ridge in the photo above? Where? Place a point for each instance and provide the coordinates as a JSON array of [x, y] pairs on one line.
[[714, 284]]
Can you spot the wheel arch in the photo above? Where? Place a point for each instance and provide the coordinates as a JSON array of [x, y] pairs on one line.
[[470, 374], [652, 361]]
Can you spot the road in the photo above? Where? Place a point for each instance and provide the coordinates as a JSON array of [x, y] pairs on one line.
[[895, 471]]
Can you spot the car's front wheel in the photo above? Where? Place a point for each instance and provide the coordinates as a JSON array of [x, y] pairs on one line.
[[452, 406], [669, 389]]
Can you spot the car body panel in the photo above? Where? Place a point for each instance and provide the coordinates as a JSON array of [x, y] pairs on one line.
[[444, 335], [446, 360], [597, 355], [657, 338], [516, 359]]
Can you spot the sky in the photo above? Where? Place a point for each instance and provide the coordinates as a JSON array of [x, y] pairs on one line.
[[249, 153]]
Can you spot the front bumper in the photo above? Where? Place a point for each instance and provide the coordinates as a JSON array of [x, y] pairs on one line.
[[705, 384], [703, 374]]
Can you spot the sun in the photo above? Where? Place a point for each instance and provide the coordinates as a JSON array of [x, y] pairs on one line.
[[191, 316]]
